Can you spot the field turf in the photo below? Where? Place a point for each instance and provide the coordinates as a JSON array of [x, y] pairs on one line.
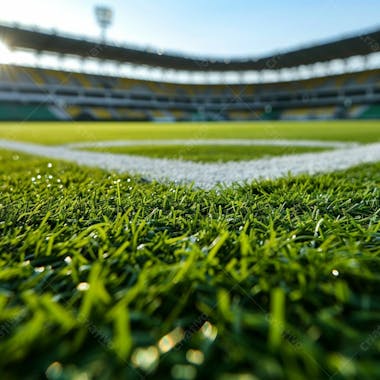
[[106, 276], [199, 153], [60, 133]]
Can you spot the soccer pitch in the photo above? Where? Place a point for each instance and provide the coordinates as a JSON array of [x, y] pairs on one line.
[[107, 274], [60, 133]]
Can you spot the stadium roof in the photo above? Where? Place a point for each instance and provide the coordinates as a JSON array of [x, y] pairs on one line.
[[44, 41]]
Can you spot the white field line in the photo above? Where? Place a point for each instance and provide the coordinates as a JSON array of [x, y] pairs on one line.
[[219, 142], [208, 175]]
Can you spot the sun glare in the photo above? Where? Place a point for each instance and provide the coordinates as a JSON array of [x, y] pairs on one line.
[[5, 52]]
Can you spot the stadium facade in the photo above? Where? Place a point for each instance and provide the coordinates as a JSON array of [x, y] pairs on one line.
[[36, 93]]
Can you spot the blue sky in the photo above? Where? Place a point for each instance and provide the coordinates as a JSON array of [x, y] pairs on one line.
[[204, 27]]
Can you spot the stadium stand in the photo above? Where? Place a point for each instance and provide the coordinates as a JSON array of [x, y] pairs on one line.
[[17, 111], [35, 93], [371, 112]]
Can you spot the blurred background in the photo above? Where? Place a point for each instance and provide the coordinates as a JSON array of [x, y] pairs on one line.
[[189, 61]]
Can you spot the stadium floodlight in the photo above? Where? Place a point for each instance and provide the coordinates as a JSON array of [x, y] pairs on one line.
[[104, 17]]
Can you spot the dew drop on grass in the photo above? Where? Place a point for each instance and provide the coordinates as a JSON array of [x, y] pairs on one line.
[[68, 260], [145, 358], [83, 286], [209, 331], [335, 272], [169, 341], [184, 372], [195, 357], [54, 371]]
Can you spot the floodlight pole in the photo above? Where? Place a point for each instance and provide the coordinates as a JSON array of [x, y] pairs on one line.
[[104, 16]]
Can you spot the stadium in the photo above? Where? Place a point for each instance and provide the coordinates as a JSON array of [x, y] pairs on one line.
[[171, 215], [78, 96]]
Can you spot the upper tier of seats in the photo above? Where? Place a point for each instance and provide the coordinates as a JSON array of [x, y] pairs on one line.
[[71, 95], [43, 77]]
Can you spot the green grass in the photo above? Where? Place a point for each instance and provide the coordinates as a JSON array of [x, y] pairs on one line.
[[275, 279], [201, 153], [59, 133]]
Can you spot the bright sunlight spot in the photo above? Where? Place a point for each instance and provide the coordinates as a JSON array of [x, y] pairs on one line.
[[5, 52]]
